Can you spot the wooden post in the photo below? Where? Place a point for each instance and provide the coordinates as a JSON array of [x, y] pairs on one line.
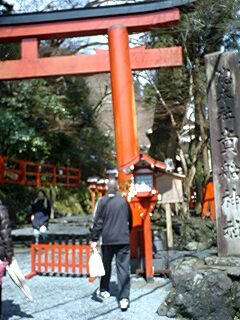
[[169, 225], [93, 197], [22, 174], [148, 251], [38, 176]]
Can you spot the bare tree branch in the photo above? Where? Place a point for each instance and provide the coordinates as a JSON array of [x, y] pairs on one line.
[[100, 102]]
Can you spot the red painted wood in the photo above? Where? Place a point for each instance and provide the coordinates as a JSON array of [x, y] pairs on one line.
[[80, 257], [38, 178], [87, 27], [39, 257], [208, 204], [33, 258], [29, 49], [59, 255], [37, 174], [33, 272], [124, 113], [87, 64], [141, 209], [87, 248], [22, 173], [52, 246], [66, 258], [148, 252], [73, 259], [46, 258]]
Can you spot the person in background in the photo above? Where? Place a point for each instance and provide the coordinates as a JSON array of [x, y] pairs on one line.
[[6, 246], [113, 223], [40, 214]]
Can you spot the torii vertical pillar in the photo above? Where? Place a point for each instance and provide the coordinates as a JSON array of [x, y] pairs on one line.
[[125, 124], [123, 98]]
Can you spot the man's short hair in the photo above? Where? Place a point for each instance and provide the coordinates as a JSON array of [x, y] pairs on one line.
[[112, 185]]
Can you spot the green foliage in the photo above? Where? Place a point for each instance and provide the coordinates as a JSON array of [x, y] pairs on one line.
[[72, 201], [52, 121], [65, 201], [17, 137], [18, 200], [5, 7], [9, 51]]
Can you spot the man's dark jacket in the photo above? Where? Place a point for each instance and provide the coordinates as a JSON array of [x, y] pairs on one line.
[[6, 247], [113, 220]]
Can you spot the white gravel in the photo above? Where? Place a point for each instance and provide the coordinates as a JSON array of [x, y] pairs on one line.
[[65, 298]]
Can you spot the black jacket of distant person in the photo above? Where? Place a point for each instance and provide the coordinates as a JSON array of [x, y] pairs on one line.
[[41, 213], [113, 220]]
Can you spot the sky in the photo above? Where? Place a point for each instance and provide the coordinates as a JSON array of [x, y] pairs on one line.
[[30, 5], [33, 5]]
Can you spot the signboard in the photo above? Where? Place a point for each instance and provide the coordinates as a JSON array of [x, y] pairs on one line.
[[169, 186]]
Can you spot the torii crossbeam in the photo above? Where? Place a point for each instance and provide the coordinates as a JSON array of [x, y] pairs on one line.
[[30, 28], [117, 22], [30, 66]]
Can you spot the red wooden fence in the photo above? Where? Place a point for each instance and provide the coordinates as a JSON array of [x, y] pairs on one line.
[[59, 259], [37, 174]]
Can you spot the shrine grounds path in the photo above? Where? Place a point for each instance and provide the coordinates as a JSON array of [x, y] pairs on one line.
[[66, 298]]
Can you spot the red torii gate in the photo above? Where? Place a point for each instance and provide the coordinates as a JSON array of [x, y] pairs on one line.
[[30, 28], [117, 22]]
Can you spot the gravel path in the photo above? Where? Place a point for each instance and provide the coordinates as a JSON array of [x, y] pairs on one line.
[[63, 298]]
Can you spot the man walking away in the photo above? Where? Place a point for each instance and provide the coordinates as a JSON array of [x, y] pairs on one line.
[[113, 223]]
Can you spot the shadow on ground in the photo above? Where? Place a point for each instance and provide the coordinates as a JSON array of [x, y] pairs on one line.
[[113, 288], [10, 309]]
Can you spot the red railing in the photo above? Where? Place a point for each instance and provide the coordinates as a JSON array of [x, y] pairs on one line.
[[59, 259], [37, 174]]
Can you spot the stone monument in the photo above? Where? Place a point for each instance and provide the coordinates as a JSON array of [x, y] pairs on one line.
[[223, 90]]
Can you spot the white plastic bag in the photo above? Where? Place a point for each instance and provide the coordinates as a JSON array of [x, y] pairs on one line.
[[18, 278], [96, 268]]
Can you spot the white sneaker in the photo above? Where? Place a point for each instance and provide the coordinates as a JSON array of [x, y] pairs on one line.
[[124, 304], [103, 294]]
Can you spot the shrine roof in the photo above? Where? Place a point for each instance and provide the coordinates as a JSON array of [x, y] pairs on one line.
[[96, 12], [146, 158]]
